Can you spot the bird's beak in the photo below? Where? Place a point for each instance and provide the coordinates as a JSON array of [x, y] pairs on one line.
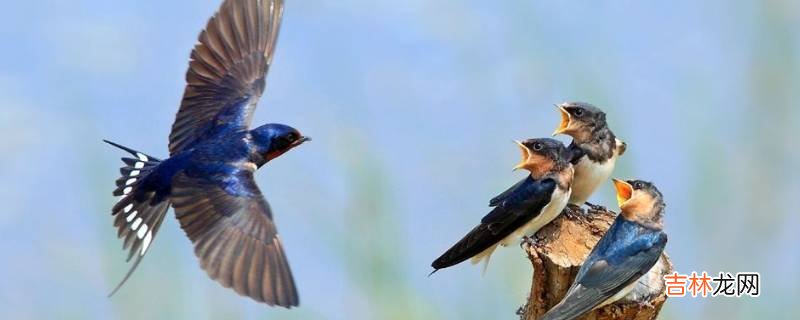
[[565, 119], [300, 141], [526, 154], [274, 154], [624, 191]]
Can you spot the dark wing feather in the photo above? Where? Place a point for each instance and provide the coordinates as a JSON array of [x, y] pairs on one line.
[[518, 206], [227, 70], [580, 301], [606, 272], [575, 153], [499, 199], [234, 236], [628, 264], [522, 195]]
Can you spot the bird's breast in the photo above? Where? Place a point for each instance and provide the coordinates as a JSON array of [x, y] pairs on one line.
[[589, 175]]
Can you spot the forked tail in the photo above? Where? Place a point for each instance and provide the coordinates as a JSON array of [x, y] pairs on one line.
[[138, 213]]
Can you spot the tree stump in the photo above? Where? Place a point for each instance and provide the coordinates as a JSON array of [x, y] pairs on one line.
[[561, 248]]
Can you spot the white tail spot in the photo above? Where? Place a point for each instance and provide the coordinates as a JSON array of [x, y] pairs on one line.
[[141, 156], [142, 231], [127, 190], [131, 216], [146, 243], [130, 181], [135, 173], [138, 165], [128, 208], [136, 223]]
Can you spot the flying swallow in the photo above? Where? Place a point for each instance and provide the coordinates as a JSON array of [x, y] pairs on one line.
[[627, 251], [209, 177], [522, 209], [594, 147]]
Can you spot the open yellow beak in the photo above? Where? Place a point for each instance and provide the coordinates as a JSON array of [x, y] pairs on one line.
[[624, 191], [565, 118], [526, 154]]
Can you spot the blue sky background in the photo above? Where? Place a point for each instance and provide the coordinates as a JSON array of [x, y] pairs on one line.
[[412, 106]]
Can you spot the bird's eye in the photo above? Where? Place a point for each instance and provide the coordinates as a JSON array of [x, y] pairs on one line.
[[537, 146], [282, 142], [637, 185], [578, 112]]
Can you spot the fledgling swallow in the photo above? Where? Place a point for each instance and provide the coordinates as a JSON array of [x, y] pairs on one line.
[[629, 249], [594, 147], [522, 209], [209, 177]]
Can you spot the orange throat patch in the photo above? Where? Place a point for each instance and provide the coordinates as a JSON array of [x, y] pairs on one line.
[[638, 208]]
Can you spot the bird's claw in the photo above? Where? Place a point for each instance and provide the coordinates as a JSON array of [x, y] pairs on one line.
[[596, 207], [528, 242], [644, 305], [574, 211]]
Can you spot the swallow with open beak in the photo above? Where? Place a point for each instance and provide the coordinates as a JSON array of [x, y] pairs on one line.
[[594, 147], [521, 210], [629, 249], [209, 178]]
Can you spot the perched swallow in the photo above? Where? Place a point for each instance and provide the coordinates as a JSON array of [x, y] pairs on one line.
[[522, 209], [627, 251], [594, 147], [208, 178]]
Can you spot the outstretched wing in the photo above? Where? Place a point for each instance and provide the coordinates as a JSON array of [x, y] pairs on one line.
[[512, 209], [608, 272], [234, 236], [227, 70]]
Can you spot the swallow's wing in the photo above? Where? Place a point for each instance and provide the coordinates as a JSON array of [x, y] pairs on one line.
[[606, 272], [227, 70], [575, 153], [234, 236], [514, 190], [512, 210], [525, 198]]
